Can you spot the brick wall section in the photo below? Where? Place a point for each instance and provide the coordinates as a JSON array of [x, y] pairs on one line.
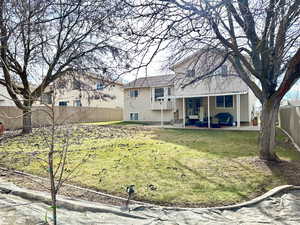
[[11, 116], [290, 121]]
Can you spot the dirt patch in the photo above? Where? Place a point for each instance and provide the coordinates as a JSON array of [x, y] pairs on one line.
[[289, 170], [41, 185]]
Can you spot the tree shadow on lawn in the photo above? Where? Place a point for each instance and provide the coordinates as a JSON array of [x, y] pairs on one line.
[[288, 170], [230, 186], [222, 144]]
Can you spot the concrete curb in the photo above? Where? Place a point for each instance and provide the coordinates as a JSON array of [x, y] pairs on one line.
[[82, 206], [80, 188], [258, 199], [64, 202]]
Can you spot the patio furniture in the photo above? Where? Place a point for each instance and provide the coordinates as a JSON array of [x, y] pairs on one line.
[[221, 119], [225, 119], [192, 119], [213, 122]]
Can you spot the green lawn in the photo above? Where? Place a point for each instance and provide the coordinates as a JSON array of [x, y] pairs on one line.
[[117, 123], [171, 166]]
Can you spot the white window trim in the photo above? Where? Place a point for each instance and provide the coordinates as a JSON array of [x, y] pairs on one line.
[[100, 84], [133, 113], [76, 100], [138, 91], [63, 101], [233, 102], [159, 100], [165, 96]]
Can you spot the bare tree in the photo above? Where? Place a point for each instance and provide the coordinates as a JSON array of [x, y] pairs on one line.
[[259, 38], [55, 157], [58, 142], [42, 40]]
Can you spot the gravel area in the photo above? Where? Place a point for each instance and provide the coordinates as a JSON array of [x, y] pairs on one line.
[[23, 206]]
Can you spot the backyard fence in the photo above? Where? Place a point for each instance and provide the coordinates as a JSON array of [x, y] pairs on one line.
[[11, 116], [289, 117]]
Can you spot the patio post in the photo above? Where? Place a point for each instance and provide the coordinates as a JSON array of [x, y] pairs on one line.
[[208, 112], [161, 113], [183, 111], [238, 110]]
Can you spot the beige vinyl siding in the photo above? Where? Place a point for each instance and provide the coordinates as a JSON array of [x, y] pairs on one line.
[[87, 97], [142, 106], [216, 85], [233, 111]]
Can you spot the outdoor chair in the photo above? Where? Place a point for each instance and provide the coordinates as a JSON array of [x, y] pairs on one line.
[[225, 119]]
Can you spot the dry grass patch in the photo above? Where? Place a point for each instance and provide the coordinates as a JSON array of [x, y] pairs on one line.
[[170, 166]]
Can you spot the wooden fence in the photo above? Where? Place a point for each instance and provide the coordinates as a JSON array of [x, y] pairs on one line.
[[11, 116], [289, 119]]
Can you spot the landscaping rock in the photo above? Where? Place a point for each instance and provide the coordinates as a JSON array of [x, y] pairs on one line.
[[22, 206]]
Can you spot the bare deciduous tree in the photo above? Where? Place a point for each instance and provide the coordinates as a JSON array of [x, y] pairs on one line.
[[57, 161], [41, 40], [260, 38]]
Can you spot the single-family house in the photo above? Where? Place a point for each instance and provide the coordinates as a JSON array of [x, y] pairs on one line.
[[5, 99], [219, 98], [86, 90]]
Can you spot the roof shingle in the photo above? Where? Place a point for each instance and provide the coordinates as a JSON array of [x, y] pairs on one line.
[[155, 81]]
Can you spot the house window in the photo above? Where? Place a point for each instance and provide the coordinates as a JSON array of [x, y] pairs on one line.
[[169, 91], [76, 84], [158, 93], [63, 103], [190, 73], [134, 116], [46, 98], [224, 69], [99, 86], [224, 101], [77, 103], [134, 93], [61, 84]]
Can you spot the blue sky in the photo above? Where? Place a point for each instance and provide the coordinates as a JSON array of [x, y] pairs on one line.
[[294, 93]]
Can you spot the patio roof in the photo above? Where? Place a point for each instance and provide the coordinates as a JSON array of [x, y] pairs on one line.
[[205, 95]]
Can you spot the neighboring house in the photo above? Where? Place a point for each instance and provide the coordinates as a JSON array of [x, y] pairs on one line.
[[163, 98], [5, 99], [85, 91]]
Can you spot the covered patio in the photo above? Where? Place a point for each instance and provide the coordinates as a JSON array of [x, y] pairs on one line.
[[222, 110]]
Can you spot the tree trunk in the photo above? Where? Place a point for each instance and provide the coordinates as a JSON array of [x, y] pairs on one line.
[[54, 205], [267, 130], [27, 123]]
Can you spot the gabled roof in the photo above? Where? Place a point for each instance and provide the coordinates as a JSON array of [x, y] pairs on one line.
[[154, 81], [104, 79], [92, 76], [196, 55]]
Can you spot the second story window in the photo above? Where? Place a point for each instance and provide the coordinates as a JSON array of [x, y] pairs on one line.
[[77, 103], [61, 84], [158, 93], [99, 86], [222, 70], [169, 91], [134, 93], [63, 103], [46, 98], [76, 84]]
